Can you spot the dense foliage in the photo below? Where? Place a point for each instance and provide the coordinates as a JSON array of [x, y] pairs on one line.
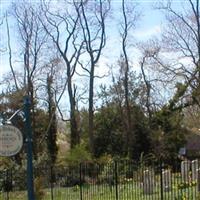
[[133, 110]]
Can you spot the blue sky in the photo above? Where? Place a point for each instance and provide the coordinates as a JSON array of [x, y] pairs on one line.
[[150, 24]]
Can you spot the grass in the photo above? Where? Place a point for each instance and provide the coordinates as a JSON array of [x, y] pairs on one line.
[[127, 191]]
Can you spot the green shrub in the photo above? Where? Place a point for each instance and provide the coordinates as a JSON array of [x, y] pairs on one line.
[[77, 155]]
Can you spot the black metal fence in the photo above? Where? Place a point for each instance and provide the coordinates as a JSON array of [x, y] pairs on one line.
[[119, 180]]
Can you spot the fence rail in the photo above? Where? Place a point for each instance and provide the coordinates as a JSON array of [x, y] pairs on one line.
[[119, 180]]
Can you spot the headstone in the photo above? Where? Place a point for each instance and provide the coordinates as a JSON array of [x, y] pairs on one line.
[[185, 171], [194, 166], [198, 180], [166, 179], [148, 181]]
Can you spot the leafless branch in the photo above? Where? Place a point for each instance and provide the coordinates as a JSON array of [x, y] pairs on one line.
[[10, 54]]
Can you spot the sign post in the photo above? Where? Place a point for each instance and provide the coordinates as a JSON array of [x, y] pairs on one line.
[[11, 142], [30, 184]]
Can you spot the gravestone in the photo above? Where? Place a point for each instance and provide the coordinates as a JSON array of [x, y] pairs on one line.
[[166, 179], [185, 171], [198, 180], [194, 166], [148, 181]]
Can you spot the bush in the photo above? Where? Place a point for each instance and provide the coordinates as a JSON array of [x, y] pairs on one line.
[[77, 155]]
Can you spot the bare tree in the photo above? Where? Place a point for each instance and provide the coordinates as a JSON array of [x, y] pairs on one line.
[[10, 54], [148, 86], [181, 40], [32, 39], [1, 27], [70, 53], [92, 20], [129, 17], [149, 63], [157, 74]]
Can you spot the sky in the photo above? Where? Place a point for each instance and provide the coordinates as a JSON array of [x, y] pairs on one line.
[[149, 25]]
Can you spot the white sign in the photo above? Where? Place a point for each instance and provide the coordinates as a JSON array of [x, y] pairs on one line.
[[11, 140]]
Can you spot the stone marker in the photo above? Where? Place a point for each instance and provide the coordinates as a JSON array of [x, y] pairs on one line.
[[166, 179], [148, 182], [198, 180], [185, 171], [194, 166]]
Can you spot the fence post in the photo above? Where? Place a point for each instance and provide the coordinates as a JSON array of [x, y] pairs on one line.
[[80, 184], [52, 179], [116, 179], [161, 180]]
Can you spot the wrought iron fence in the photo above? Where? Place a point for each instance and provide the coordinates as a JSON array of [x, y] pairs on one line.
[[119, 180]]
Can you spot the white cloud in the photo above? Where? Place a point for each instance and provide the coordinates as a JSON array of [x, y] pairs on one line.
[[147, 33]]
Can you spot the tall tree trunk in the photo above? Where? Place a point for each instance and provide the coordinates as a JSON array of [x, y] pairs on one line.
[[52, 132], [91, 109], [129, 130], [75, 138]]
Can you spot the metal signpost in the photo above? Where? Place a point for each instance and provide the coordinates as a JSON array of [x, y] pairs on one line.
[[11, 141], [27, 104]]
